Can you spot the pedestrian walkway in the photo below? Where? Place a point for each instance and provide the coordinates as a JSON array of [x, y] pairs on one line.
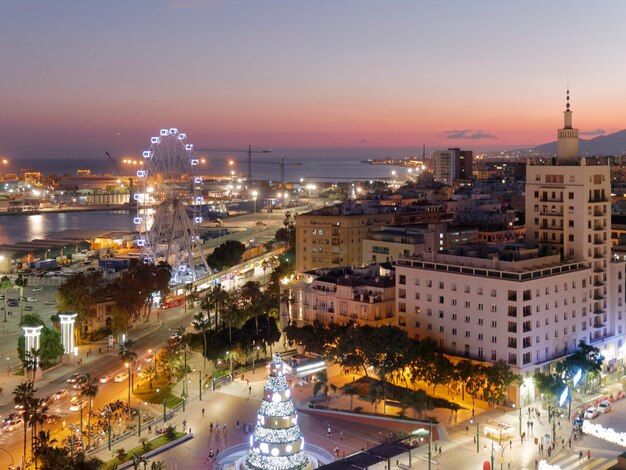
[[572, 462]]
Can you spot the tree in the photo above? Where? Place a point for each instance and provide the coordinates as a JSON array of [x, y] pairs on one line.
[[499, 378], [250, 294], [287, 233], [463, 372], [37, 416], [50, 347], [50, 457], [79, 293], [23, 396], [128, 356], [215, 299], [5, 285], [476, 382], [90, 391], [321, 383], [350, 390], [20, 283], [202, 324], [227, 254], [150, 374]]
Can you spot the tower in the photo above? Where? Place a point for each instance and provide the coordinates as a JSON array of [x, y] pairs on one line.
[[568, 212], [567, 144], [277, 443]]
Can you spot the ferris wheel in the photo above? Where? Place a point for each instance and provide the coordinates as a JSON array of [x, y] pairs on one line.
[[167, 207]]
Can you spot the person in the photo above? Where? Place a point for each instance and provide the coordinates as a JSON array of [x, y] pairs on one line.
[[250, 389], [211, 427], [341, 435], [224, 426], [184, 424], [570, 442], [336, 451], [580, 455], [588, 455], [203, 412], [329, 432], [440, 450]]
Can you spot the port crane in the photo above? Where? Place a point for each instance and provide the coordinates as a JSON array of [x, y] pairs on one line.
[[250, 151], [118, 173], [282, 166]]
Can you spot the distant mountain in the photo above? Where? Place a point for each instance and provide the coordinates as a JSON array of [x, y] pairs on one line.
[[610, 144]]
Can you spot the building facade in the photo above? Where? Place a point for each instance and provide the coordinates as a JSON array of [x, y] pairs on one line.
[[528, 304], [452, 165]]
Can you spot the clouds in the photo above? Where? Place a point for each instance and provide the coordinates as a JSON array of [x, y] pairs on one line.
[[469, 134], [594, 132]]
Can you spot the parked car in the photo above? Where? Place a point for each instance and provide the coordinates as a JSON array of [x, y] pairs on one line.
[[591, 412], [28, 308], [31, 299], [60, 394], [77, 405], [605, 406], [106, 378], [149, 357], [38, 289], [80, 383], [121, 377]]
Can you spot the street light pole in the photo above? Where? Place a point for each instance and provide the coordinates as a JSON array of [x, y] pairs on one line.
[[430, 440], [200, 384]]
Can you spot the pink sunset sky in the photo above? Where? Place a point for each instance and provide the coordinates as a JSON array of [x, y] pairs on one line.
[[80, 76]]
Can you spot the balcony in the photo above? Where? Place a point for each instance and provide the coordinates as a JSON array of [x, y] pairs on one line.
[[599, 227], [598, 297], [598, 283], [596, 199], [551, 213], [598, 311], [512, 329], [599, 270], [598, 324], [526, 329], [597, 241]]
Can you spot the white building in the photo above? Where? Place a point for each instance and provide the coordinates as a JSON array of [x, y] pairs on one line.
[[452, 165], [528, 305]]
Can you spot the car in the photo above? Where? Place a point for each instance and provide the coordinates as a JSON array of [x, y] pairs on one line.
[[121, 377], [80, 383], [50, 302], [604, 406], [73, 378], [31, 299], [77, 405], [74, 397], [591, 413], [48, 401], [106, 378], [60, 394], [12, 422], [149, 357], [28, 308], [38, 289]]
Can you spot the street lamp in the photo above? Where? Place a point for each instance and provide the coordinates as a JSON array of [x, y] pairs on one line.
[[129, 366], [5, 162], [230, 358], [477, 435], [254, 196]]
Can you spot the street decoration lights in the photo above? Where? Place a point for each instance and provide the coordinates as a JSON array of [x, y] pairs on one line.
[[67, 321], [254, 196]]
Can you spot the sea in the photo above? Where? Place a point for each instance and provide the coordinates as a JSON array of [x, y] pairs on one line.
[[312, 165]]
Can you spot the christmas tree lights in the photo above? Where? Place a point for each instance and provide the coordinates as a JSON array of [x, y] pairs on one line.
[[277, 443]]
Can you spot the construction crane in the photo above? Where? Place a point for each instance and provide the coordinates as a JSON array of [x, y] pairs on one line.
[[282, 166], [249, 152], [114, 165]]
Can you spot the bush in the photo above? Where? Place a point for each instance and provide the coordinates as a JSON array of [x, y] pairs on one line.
[[170, 433], [121, 454], [357, 409]]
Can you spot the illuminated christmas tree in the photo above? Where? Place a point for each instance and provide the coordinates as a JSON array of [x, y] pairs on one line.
[[277, 443]]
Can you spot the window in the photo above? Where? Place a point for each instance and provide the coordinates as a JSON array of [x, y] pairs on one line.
[[440, 314], [494, 324], [417, 296], [430, 327], [466, 289], [429, 298], [402, 293], [454, 316], [441, 285], [494, 292], [571, 195], [467, 334], [454, 302], [441, 299], [418, 310], [480, 353], [480, 306], [429, 312], [417, 281], [480, 336], [453, 331], [512, 295], [480, 291], [441, 329], [402, 279], [429, 283], [480, 321], [512, 358], [453, 287], [512, 311], [494, 309], [494, 339], [467, 319], [512, 343], [571, 223], [467, 304], [494, 355]]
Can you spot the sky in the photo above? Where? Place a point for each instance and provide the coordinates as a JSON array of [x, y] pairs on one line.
[[79, 77]]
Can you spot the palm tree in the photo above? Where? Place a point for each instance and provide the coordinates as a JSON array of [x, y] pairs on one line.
[[31, 362], [251, 292], [20, 283], [128, 356], [234, 315], [321, 383], [5, 285], [37, 416], [23, 396], [375, 394], [266, 264], [201, 323], [158, 465], [150, 373], [218, 296], [90, 390], [351, 390]]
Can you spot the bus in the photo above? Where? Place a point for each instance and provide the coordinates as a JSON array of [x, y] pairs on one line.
[[172, 301], [246, 273]]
